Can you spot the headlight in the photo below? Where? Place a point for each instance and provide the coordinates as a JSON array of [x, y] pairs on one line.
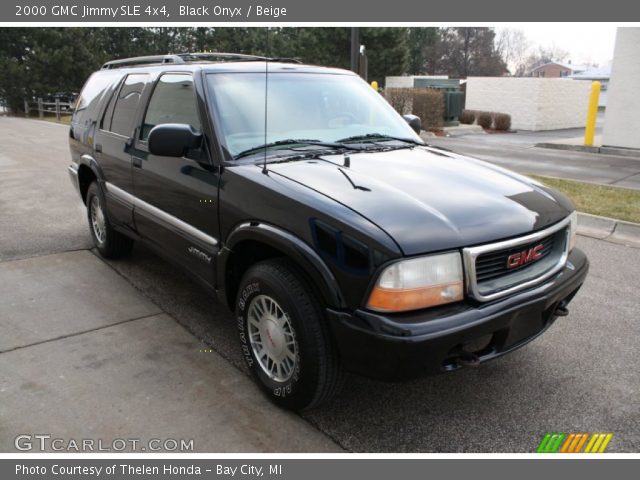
[[418, 283], [573, 230]]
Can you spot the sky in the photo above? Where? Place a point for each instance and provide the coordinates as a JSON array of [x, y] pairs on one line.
[[585, 42]]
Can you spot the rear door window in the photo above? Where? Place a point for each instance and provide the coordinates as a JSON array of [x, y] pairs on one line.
[[120, 114]]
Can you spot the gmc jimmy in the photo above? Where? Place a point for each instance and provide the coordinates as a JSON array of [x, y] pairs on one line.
[[312, 209]]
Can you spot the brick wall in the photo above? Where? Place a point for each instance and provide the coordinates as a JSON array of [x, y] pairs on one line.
[[533, 103], [551, 71]]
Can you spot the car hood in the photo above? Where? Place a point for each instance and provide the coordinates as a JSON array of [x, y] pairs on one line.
[[429, 199]]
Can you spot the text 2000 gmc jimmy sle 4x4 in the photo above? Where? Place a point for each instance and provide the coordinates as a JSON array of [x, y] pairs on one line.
[[314, 210]]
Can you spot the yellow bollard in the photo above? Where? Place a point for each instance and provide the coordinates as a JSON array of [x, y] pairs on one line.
[[374, 85], [592, 113]]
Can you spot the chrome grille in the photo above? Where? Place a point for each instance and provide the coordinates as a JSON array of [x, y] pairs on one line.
[[494, 264], [488, 277]]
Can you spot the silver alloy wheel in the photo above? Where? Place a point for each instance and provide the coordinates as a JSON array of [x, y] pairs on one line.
[[98, 223], [272, 338]]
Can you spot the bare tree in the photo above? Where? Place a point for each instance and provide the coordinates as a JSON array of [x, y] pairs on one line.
[[513, 45]]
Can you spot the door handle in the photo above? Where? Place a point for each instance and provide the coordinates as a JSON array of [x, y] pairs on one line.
[[136, 162], [98, 148]]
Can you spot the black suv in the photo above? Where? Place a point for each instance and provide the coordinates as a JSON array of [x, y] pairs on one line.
[[309, 206]]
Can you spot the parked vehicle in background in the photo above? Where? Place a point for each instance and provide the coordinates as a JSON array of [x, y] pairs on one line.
[[66, 100]]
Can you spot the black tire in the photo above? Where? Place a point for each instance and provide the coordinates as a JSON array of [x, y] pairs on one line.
[[110, 243], [316, 376]]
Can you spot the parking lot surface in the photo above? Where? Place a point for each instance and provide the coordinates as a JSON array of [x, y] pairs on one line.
[[517, 152], [133, 367]]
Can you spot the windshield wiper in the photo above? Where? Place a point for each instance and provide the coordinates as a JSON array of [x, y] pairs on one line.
[[295, 141], [379, 136]]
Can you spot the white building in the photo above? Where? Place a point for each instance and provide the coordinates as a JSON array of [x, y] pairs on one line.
[[601, 74], [533, 103], [622, 118], [408, 81]]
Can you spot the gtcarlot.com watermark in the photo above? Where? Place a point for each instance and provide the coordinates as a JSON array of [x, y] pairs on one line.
[[44, 442]]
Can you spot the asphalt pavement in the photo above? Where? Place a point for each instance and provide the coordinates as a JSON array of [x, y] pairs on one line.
[[580, 376], [35, 196], [85, 355], [517, 151]]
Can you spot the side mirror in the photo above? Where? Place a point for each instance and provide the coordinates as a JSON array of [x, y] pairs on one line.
[[414, 122], [173, 139]]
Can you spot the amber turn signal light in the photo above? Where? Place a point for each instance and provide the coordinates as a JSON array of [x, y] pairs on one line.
[[417, 283]]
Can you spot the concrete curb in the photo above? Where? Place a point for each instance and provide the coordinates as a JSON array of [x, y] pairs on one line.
[[424, 134], [460, 130], [609, 229], [623, 152]]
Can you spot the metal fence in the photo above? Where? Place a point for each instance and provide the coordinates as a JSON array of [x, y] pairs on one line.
[[57, 108]]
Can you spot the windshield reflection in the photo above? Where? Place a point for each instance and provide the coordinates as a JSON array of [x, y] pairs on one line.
[[318, 106]]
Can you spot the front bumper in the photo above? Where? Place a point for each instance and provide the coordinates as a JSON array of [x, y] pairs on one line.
[[400, 346]]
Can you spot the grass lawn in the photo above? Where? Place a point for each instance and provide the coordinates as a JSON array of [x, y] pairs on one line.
[[614, 202]]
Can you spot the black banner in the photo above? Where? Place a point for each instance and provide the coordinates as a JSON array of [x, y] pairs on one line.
[[283, 11], [317, 469]]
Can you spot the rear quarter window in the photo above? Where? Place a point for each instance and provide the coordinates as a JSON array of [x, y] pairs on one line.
[[87, 105]]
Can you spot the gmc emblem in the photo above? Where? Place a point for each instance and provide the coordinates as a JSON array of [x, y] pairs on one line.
[[522, 258]]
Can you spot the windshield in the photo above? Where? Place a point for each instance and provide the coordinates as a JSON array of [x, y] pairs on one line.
[[318, 108]]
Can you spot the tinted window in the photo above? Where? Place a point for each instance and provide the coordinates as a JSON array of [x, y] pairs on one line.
[[323, 107], [173, 101], [92, 92], [121, 112], [105, 123]]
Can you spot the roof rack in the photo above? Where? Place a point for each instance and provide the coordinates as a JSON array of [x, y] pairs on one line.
[[183, 58]]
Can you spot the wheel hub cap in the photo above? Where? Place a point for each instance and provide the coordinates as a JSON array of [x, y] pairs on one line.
[[97, 220], [272, 338]]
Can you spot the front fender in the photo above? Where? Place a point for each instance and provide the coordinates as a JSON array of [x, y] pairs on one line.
[[293, 247]]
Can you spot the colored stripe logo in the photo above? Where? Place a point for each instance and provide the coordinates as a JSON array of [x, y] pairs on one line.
[[574, 443]]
